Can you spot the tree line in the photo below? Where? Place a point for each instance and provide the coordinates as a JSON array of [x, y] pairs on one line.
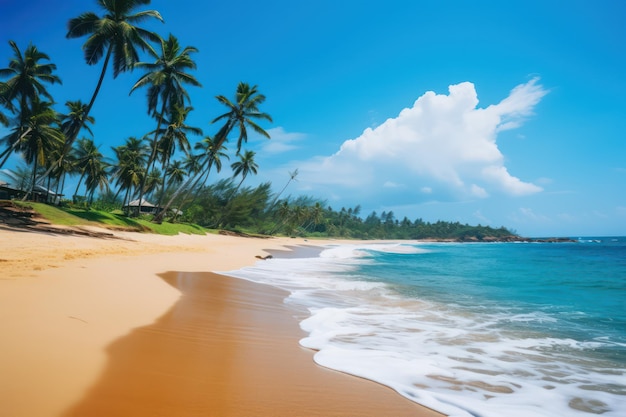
[[51, 142], [165, 165]]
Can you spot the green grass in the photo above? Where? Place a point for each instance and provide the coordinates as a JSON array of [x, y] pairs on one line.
[[55, 215], [80, 217]]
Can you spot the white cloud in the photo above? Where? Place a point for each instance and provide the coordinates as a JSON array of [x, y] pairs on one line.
[[280, 141], [443, 142]]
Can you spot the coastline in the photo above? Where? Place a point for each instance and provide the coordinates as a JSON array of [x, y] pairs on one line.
[[73, 308]]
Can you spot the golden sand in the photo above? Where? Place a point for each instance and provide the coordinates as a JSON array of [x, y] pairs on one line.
[[96, 327]]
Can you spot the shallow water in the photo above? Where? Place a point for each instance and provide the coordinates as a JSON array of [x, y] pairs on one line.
[[515, 329]]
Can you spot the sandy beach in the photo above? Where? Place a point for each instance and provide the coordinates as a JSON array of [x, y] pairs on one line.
[[141, 325]]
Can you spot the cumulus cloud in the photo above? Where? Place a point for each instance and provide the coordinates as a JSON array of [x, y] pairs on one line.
[[444, 143]]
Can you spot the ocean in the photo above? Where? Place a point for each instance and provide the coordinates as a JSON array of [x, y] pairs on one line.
[[469, 329]]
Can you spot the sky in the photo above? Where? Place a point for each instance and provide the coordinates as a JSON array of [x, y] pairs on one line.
[[499, 113]]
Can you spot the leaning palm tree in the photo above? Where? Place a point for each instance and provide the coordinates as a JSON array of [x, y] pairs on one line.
[[199, 166], [22, 91], [243, 167], [241, 114], [176, 173], [202, 163], [210, 155], [113, 35], [175, 136], [153, 182], [166, 79], [76, 119], [4, 104]]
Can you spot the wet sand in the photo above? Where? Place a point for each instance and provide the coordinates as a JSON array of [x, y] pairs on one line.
[[110, 334]]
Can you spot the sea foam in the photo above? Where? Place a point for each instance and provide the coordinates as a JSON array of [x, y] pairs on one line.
[[489, 361]]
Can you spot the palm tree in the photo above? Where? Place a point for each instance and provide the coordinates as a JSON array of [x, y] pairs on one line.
[[130, 168], [175, 135], [153, 181], [244, 166], [71, 124], [63, 163], [114, 34], [76, 119], [25, 86], [199, 167], [37, 137], [166, 78], [97, 178], [4, 119], [292, 177], [89, 161], [27, 75], [176, 173], [210, 155], [242, 114]]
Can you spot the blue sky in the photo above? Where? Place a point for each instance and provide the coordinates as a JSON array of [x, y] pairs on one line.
[[493, 112]]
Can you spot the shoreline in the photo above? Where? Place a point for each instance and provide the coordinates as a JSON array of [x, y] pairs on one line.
[[68, 303]]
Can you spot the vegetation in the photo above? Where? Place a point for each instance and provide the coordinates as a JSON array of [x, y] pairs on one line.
[[172, 165]]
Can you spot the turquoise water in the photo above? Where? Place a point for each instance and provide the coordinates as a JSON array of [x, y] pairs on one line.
[[499, 329]]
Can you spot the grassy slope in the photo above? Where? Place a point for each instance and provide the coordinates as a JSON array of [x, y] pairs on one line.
[[77, 217]]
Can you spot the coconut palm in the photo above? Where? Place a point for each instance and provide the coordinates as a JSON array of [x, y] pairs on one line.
[[176, 173], [174, 136], [71, 124], [166, 79], [22, 91], [210, 155], [76, 119], [97, 178], [199, 167], [292, 177], [153, 182], [244, 166], [242, 113], [37, 136], [4, 103], [89, 161], [130, 167], [63, 163], [27, 74], [113, 35]]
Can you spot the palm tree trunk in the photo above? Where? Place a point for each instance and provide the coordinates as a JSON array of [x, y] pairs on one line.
[[32, 185], [7, 152], [202, 177], [80, 180], [152, 154], [70, 141], [158, 218], [93, 97]]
